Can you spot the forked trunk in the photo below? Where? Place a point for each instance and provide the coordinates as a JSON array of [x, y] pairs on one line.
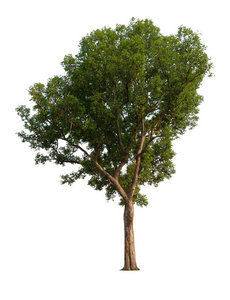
[[130, 256]]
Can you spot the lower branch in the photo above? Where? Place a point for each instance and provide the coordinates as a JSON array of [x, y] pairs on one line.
[[113, 181]]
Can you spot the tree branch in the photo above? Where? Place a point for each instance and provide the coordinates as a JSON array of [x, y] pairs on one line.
[[97, 151], [118, 169], [119, 137], [137, 167], [113, 181], [151, 109]]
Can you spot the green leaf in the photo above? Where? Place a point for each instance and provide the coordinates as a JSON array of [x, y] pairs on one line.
[[126, 95]]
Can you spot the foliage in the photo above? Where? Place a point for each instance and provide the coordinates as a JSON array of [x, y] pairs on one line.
[[123, 99]]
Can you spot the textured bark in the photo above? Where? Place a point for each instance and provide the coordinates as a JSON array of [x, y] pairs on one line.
[[130, 255]]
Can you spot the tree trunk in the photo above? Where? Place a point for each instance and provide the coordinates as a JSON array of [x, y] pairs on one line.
[[130, 256]]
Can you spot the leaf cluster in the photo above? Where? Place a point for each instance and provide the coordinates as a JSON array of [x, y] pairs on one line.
[[126, 95]]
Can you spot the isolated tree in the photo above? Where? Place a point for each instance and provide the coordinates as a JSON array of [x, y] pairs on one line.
[[124, 98]]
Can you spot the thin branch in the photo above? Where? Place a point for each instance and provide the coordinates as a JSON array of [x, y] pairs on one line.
[[58, 158], [143, 127], [106, 100], [80, 148], [154, 132], [119, 137], [119, 168], [137, 167], [109, 87], [97, 151], [149, 142], [151, 109]]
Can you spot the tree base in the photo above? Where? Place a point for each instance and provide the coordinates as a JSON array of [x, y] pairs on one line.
[[125, 269]]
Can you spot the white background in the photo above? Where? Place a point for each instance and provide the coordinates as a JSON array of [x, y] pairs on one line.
[[60, 242]]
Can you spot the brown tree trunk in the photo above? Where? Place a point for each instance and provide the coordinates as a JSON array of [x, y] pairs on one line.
[[130, 256]]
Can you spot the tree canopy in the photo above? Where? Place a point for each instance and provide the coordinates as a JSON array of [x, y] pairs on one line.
[[124, 97]]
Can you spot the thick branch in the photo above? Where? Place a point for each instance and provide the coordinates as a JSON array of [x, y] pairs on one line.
[[113, 181]]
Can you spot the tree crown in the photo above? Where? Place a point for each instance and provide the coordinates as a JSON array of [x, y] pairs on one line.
[[124, 97]]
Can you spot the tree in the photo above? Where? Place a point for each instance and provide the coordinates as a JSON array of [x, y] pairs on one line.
[[124, 98]]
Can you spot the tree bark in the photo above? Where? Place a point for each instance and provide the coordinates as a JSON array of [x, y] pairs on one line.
[[130, 255]]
